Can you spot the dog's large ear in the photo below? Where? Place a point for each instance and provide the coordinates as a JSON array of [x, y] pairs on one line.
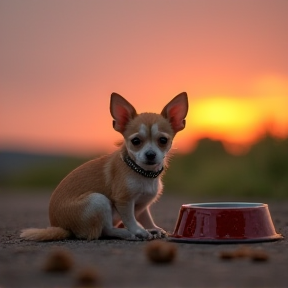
[[122, 112], [175, 111]]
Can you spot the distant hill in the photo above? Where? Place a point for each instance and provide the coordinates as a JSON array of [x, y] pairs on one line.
[[209, 170], [20, 169]]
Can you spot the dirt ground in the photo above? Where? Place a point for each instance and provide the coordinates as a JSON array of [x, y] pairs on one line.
[[124, 264]]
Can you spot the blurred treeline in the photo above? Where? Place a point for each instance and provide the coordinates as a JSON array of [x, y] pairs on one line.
[[207, 171], [210, 170]]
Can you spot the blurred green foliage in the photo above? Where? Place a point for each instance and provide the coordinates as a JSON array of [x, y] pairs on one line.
[[35, 170], [210, 170], [207, 171]]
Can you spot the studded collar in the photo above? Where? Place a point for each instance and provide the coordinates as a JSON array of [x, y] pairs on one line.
[[139, 170]]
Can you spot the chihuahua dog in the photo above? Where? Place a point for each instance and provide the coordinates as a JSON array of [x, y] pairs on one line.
[[110, 196]]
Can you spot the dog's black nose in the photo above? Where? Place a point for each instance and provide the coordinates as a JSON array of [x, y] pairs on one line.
[[150, 155]]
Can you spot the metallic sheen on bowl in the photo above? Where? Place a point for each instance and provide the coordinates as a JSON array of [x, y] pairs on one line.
[[224, 222]]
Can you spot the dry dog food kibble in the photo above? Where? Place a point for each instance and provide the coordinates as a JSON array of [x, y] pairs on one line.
[[159, 251], [87, 277], [245, 252], [59, 260]]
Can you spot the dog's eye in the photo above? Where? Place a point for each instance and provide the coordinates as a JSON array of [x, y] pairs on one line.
[[136, 141], [163, 140]]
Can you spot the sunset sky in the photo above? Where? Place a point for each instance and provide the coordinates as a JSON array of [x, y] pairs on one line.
[[61, 59]]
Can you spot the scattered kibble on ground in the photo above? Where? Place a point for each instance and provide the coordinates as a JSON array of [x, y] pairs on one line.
[[87, 277], [260, 256], [245, 252], [159, 251], [59, 260]]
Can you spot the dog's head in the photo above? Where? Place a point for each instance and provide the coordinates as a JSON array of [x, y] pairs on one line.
[[148, 136]]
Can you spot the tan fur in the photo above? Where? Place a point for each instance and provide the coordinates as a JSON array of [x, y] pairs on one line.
[[77, 207], [50, 233]]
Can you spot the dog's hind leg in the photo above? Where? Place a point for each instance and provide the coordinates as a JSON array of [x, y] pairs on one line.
[[98, 215]]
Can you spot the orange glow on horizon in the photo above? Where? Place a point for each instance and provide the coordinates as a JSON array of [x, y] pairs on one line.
[[224, 118], [237, 122], [57, 76]]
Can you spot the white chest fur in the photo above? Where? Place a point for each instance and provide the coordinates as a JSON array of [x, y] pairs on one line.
[[144, 190]]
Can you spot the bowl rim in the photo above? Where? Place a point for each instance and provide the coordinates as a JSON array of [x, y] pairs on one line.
[[225, 205], [272, 238]]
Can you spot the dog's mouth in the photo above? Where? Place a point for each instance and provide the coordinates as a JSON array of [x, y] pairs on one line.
[[150, 163], [152, 166], [144, 171]]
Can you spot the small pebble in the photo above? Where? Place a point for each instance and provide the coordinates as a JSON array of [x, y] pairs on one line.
[[159, 251], [59, 260]]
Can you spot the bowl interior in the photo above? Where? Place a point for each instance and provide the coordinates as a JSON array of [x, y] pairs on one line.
[[225, 205]]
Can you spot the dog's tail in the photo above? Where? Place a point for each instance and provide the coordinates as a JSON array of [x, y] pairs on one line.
[[46, 234]]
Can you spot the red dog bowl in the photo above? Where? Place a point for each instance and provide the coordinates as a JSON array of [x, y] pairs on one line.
[[225, 222]]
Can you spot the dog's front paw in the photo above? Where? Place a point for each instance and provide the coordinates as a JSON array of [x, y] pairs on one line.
[[157, 233], [142, 234]]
